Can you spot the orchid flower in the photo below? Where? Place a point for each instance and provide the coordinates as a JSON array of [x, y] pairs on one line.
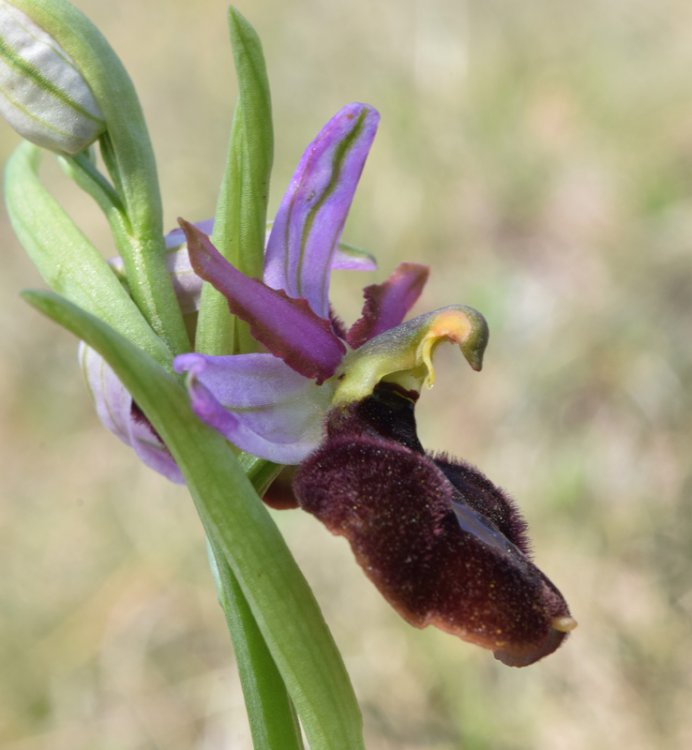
[[438, 539], [290, 440]]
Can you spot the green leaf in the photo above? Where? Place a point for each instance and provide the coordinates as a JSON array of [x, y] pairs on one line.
[[241, 212], [66, 259], [273, 722], [237, 523]]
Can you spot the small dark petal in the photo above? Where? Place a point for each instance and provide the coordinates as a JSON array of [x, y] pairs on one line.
[[438, 559], [280, 493], [338, 325], [386, 304]]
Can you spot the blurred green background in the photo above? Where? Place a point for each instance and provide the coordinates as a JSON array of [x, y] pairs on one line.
[[538, 156]]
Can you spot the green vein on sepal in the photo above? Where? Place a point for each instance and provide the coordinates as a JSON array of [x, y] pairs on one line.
[[49, 88], [236, 521], [357, 253], [338, 158]]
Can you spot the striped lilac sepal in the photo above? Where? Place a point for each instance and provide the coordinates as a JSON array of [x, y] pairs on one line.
[[312, 214]]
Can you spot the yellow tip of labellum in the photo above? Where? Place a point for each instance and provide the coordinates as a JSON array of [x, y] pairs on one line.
[[564, 624]]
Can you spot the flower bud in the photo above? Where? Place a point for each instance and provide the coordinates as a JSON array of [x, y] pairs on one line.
[[115, 407], [120, 414], [186, 284], [43, 95]]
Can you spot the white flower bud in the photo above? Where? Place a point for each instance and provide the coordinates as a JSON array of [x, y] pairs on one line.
[[43, 95]]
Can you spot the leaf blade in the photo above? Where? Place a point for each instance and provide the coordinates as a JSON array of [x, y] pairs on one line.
[[237, 522]]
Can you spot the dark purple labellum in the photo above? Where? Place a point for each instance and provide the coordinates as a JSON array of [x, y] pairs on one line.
[[442, 544]]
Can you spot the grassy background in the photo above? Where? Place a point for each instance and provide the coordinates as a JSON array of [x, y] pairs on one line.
[[539, 156]]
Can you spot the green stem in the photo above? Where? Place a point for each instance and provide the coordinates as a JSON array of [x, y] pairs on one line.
[[86, 175], [83, 170]]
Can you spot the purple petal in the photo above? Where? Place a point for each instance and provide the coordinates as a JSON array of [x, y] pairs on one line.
[[347, 258], [387, 304], [257, 402], [313, 210], [150, 448], [119, 414], [176, 237], [287, 327], [113, 403], [187, 285]]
